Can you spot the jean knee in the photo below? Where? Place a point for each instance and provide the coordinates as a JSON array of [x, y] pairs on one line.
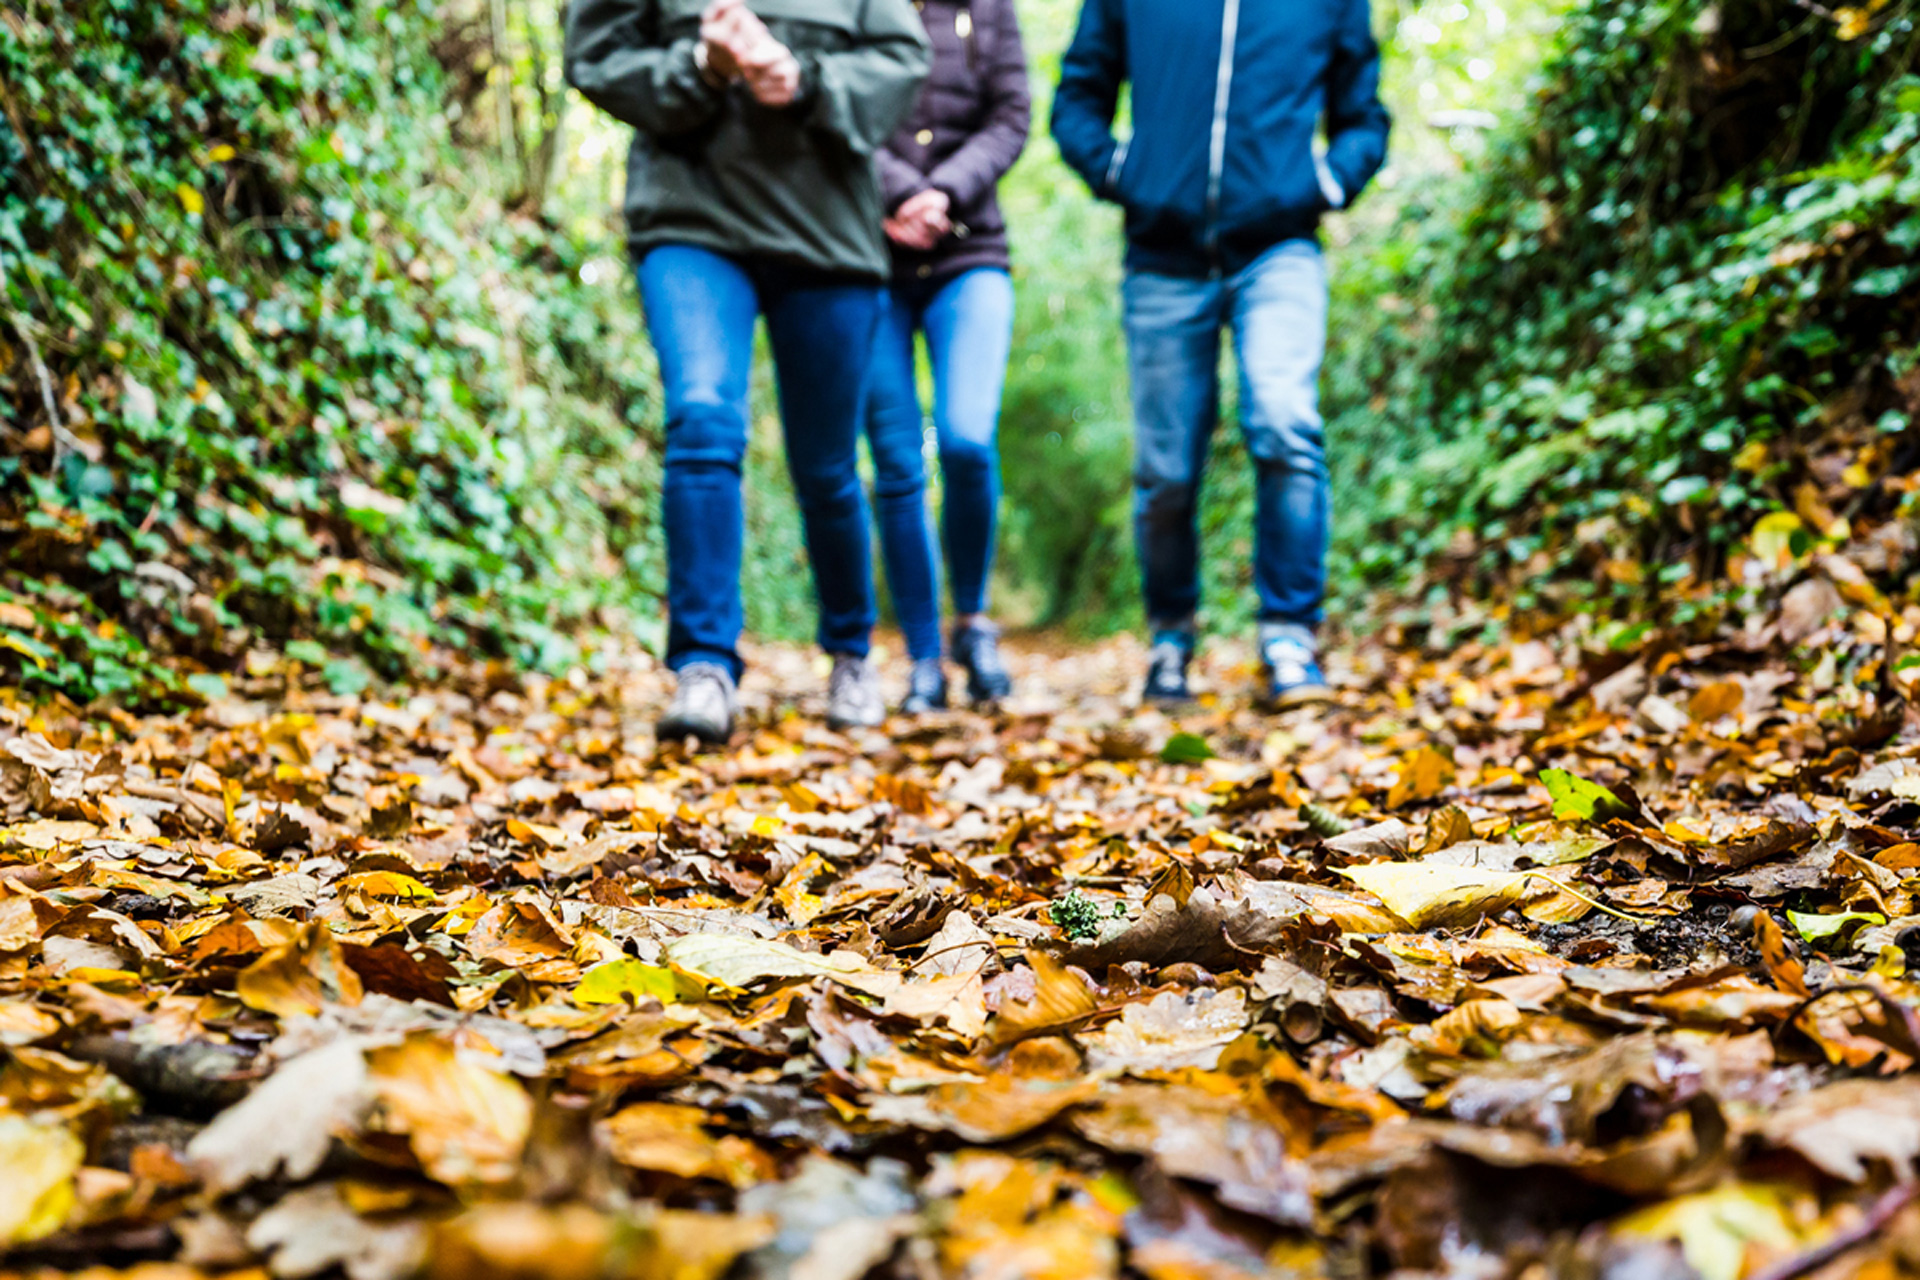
[[1165, 500], [965, 459], [706, 434], [1296, 447], [899, 473], [825, 482]]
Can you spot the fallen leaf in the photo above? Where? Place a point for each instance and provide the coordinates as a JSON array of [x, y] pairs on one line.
[[466, 1123], [288, 1122], [1430, 895], [38, 1161]]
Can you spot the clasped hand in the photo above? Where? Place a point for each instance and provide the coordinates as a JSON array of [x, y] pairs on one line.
[[739, 47], [922, 220]]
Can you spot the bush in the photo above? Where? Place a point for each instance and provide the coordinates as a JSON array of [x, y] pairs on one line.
[[1682, 295], [284, 368]]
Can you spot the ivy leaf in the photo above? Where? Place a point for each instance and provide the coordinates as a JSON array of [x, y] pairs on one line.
[[1575, 798], [1186, 748]]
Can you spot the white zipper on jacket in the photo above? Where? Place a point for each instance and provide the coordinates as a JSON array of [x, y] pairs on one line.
[[1222, 95]]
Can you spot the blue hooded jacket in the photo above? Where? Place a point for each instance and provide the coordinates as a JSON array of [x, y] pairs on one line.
[[1227, 98]]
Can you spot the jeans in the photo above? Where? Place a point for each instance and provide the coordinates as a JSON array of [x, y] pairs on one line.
[[700, 309], [968, 321], [1277, 310]]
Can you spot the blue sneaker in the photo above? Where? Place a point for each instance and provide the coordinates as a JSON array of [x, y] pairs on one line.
[[1167, 669], [1292, 660]]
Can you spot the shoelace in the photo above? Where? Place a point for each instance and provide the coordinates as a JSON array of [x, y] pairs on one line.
[[848, 678], [1164, 664], [1290, 661], [983, 654]]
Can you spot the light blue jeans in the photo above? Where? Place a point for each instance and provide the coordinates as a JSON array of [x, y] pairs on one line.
[[1277, 310], [968, 321]]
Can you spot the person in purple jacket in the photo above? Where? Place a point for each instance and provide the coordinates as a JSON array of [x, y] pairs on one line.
[[938, 174]]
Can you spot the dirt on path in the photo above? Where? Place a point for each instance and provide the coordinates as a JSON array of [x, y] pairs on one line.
[[1525, 958]]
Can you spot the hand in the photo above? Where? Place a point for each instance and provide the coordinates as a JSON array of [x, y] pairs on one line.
[[726, 27], [922, 219], [772, 74], [909, 235]]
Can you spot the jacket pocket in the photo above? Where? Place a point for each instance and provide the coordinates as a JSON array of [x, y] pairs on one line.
[[1278, 177]]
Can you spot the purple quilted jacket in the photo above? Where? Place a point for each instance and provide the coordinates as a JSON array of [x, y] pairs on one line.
[[967, 129]]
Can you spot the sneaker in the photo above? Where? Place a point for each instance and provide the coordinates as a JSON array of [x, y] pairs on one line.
[[853, 694], [976, 647], [703, 706], [1292, 660], [1167, 670], [926, 688]]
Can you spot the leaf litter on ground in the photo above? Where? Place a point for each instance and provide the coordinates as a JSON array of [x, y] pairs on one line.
[[1503, 964]]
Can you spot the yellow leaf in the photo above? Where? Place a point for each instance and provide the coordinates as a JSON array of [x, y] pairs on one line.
[[220, 153], [191, 200], [1429, 895], [37, 1164], [1773, 539], [1715, 1227], [387, 884], [1423, 775], [623, 981]]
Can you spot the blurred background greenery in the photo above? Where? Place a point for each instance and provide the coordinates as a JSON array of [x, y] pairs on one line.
[[319, 335]]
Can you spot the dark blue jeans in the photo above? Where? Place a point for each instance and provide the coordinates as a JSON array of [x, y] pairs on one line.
[[968, 321], [700, 310], [1277, 310]]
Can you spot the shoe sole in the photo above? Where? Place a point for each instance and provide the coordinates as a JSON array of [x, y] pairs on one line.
[[1319, 695], [668, 731]]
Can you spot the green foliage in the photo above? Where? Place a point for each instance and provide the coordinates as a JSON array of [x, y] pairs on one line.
[[1577, 799], [1077, 915], [1603, 359], [310, 380]]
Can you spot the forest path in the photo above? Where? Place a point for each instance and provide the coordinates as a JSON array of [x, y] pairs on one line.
[[1512, 957]]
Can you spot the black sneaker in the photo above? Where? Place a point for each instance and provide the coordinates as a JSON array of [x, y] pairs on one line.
[[926, 688], [1167, 672], [976, 647]]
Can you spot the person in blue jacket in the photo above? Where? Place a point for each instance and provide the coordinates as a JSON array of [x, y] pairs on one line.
[[1224, 179]]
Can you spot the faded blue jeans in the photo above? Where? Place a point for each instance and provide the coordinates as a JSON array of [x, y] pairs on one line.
[[968, 321], [701, 308], [1276, 309]]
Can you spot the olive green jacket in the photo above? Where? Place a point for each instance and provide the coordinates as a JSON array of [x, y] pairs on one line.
[[712, 167]]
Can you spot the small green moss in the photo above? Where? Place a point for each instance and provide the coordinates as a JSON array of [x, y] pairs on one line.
[[1077, 915]]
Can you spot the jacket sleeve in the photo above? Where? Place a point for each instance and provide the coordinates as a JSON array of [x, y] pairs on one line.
[[898, 179], [1357, 123], [1091, 73], [860, 95], [984, 158], [615, 58]]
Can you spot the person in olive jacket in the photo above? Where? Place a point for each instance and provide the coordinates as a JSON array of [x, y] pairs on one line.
[[751, 190], [950, 281]]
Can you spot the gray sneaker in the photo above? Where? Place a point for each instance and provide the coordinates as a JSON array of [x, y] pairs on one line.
[[854, 700], [703, 706]]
